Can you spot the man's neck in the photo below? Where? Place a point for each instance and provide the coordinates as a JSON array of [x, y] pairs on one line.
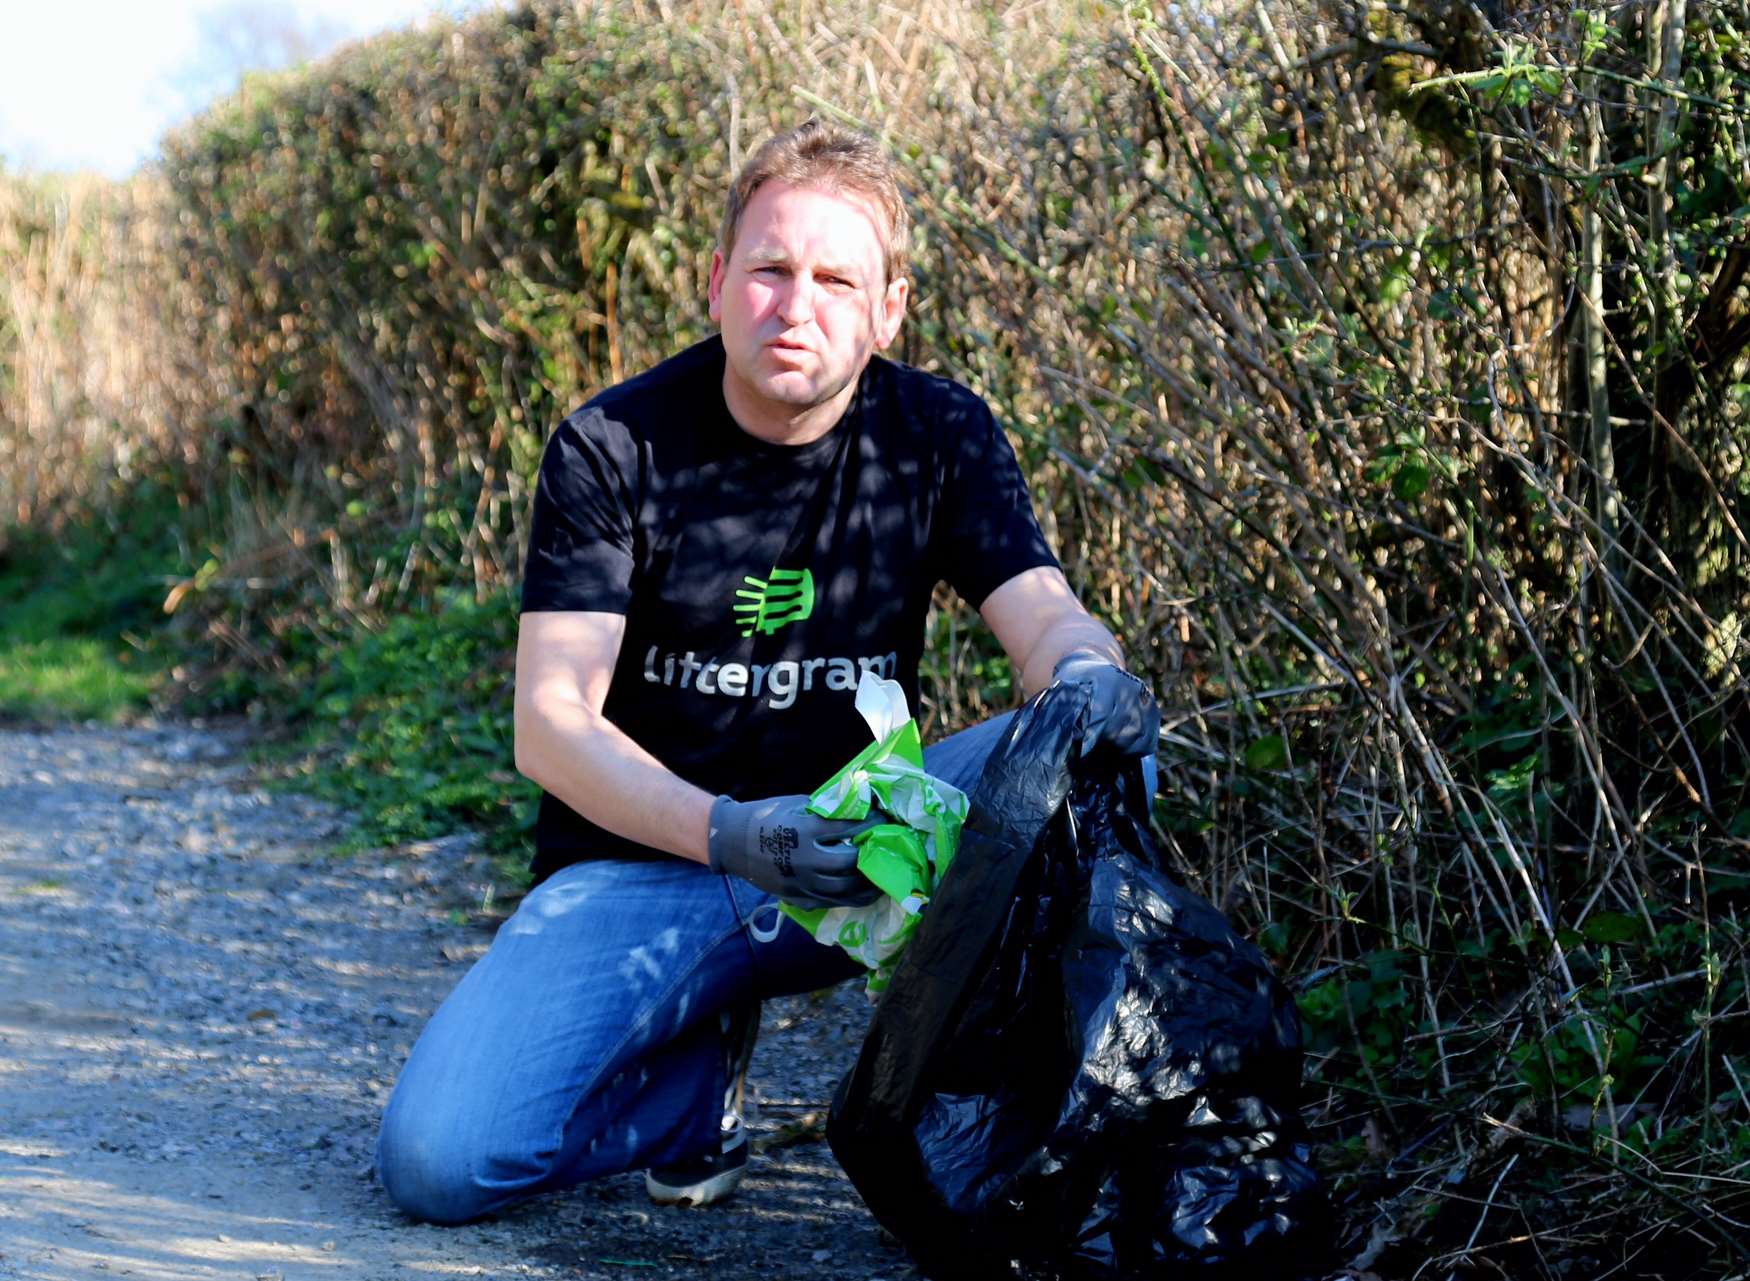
[[780, 424]]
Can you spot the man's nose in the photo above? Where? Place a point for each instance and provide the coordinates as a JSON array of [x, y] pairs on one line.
[[796, 303]]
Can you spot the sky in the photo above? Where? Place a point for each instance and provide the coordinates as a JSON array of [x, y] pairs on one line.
[[93, 84]]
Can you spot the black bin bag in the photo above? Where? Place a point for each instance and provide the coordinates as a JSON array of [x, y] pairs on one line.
[[1079, 1070]]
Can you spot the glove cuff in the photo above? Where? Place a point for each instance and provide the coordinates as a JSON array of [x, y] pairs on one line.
[[726, 834], [1089, 656]]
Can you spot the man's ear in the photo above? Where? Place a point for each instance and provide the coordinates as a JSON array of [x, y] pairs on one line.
[[714, 291], [892, 312]]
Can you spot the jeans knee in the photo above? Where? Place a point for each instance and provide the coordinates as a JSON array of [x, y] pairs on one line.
[[432, 1175]]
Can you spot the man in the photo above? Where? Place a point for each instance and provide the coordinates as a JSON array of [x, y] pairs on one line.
[[720, 547]]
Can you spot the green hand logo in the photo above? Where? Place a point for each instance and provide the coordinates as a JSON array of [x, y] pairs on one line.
[[787, 596]]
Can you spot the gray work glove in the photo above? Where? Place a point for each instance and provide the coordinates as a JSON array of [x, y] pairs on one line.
[[782, 848], [1122, 712]]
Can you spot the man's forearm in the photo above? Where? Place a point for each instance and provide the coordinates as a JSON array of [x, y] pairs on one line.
[[592, 765]]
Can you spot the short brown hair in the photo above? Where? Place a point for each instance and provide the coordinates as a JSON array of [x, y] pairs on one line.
[[818, 154]]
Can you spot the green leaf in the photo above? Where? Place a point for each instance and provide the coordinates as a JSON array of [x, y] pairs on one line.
[[1410, 479], [1382, 466], [1611, 927], [1396, 283], [1512, 782], [1269, 752]]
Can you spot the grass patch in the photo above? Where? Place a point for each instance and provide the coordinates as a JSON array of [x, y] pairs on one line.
[[409, 728], [72, 678], [80, 613]]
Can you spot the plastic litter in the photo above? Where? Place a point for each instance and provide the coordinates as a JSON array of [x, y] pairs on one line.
[[906, 857], [1079, 1070]]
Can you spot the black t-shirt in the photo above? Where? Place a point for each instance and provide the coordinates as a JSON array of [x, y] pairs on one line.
[[759, 580]]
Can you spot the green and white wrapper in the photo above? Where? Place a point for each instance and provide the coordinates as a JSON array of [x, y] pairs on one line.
[[906, 857]]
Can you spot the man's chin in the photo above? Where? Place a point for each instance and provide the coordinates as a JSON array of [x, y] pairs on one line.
[[789, 391], [800, 392]]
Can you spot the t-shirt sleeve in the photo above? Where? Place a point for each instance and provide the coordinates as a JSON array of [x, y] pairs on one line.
[[990, 532], [581, 532]]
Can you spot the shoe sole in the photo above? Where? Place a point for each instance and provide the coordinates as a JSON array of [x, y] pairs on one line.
[[716, 1188]]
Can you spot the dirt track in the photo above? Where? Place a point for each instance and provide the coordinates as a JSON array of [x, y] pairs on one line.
[[202, 1011]]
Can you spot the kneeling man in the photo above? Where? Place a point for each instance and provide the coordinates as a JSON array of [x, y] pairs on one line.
[[720, 547]]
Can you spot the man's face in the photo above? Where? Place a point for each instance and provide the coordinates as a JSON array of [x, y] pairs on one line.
[[803, 300]]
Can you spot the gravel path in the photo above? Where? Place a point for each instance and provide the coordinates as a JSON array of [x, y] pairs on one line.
[[202, 1012]]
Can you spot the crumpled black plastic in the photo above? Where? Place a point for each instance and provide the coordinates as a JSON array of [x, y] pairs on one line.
[[1079, 1070]]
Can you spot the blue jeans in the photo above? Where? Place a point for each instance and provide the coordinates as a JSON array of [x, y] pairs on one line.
[[588, 1040]]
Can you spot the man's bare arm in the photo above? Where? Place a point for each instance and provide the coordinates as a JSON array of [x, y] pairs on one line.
[[564, 662], [1037, 620]]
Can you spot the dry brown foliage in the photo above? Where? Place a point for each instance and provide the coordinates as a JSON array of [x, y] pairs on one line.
[[84, 395]]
